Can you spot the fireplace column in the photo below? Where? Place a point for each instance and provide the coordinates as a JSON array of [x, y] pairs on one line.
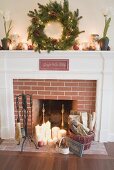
[[7, 125]]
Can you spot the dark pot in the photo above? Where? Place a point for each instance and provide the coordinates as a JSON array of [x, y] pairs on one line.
[[104, 42], [5, 43]]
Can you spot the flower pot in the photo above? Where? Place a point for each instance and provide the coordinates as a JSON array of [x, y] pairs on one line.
[[104, 42], [5, 43]]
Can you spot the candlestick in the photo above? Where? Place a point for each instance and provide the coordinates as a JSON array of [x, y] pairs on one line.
[[43, 111], [62, 111]]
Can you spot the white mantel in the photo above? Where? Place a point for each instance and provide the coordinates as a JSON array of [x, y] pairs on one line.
[[83, 65]]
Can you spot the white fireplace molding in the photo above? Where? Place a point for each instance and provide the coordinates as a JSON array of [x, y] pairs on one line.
[[83, 65]]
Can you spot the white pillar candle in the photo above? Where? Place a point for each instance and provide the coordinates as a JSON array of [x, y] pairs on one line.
[[50, 142], [25, 46], [43, 132], [61, 133], [45, 141], [48, 133], [10, 47], [55, 140], [48, 125], [55, 131]]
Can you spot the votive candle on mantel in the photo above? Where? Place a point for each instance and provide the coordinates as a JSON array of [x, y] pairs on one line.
[[10, 47]]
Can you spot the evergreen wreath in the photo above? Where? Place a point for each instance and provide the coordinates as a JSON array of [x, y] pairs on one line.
[[53, 11]]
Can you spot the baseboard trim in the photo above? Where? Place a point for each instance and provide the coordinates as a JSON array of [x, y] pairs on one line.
[[111, 137]]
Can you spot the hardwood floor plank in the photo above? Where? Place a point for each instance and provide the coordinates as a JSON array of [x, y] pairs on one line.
[[49, 161], [86, 164], [110, 148], [72, 163]]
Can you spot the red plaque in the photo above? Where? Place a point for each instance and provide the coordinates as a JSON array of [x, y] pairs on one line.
[[54, 64]]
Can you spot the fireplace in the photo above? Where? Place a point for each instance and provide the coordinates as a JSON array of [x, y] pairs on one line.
[[83, 66]]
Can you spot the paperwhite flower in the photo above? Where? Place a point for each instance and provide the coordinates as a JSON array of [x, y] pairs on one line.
[[7, 16], [7, 22], [1, 12]]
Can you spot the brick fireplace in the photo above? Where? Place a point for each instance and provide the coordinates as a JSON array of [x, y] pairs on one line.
[[81, 92], [19, 70]]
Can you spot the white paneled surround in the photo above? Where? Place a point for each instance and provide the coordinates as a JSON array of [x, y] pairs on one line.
[[83, 65]]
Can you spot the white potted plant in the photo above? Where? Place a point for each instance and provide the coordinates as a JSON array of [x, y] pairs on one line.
[[104, 41], [7, 28]]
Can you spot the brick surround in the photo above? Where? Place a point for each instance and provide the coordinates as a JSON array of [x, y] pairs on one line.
[[83, 91]]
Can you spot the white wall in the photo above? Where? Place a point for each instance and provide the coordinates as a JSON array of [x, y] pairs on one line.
[[91, 10]]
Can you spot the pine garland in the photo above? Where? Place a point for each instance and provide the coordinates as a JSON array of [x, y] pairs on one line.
[[53, 11]]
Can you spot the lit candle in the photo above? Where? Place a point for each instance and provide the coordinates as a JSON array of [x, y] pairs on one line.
[[10, 47], [25, 46], [43, 132], [55, 140], [38, 133], [50, 142], [80, 47], [55, 131], [61, 133], [45, 141], [97, 46]]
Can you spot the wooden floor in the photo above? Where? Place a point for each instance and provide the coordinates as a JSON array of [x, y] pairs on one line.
[[47, 161]]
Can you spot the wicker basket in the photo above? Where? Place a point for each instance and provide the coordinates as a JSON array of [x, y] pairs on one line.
[[85, 140]]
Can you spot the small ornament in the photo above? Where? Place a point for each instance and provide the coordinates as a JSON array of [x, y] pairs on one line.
[[36, 33], [75, 47], [30, 47], [40, 143], [53, 14], [35, 20], [54, 41], [19, 46]]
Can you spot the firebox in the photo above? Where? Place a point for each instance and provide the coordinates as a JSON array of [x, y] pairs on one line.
[[56, 111], [56, 96]]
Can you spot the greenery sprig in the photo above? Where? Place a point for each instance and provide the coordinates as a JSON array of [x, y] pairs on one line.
[[107, 24], [53, 11]]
